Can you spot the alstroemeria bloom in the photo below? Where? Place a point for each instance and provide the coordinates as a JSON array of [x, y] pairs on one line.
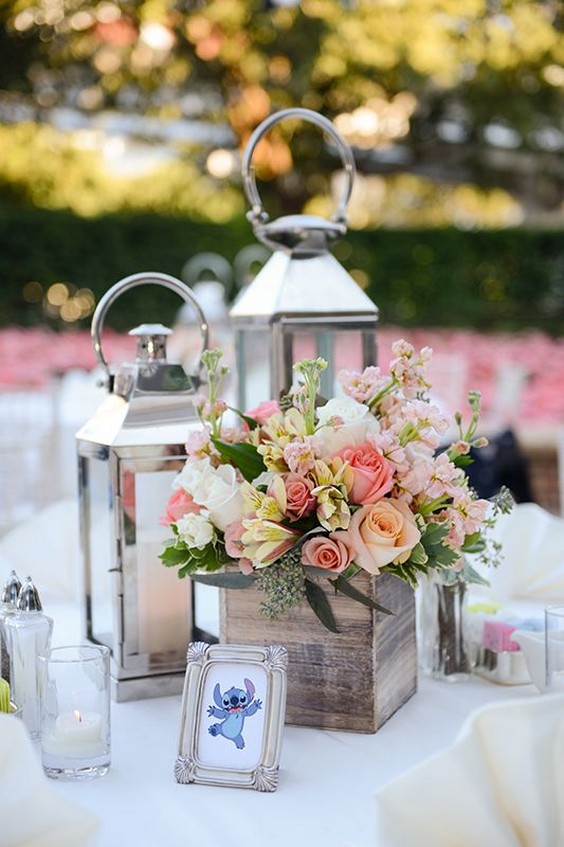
[[265, 541], [234, 546], [382, 533]]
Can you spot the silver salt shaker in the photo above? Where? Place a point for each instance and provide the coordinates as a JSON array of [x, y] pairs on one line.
[[29, 633], [8, 600]]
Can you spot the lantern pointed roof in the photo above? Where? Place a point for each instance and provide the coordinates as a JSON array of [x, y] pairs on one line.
[[292, 285]]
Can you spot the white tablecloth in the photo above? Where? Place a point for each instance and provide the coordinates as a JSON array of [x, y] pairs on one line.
[[327, 784]]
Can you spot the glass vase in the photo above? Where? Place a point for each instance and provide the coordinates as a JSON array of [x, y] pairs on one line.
[[442, 636]]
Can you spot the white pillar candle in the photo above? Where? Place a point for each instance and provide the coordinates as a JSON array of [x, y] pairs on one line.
[[76, 735]]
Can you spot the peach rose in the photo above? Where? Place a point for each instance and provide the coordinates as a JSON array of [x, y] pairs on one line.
[[299, 499], [179, 503], [382, 533], [332, 553], [372, 475]]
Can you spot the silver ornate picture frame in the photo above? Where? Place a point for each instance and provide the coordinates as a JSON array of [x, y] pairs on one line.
[[233, 710]]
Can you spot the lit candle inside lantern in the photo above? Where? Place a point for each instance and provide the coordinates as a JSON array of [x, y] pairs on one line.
[[76, 735]]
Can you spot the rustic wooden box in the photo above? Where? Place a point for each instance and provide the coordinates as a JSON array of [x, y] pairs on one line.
[[354, 680]]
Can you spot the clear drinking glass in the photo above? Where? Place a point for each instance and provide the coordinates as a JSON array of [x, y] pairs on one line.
[[75, 711], [554, 642]]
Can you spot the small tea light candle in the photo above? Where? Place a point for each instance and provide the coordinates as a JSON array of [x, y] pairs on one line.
[[75, 711], [76, 735]]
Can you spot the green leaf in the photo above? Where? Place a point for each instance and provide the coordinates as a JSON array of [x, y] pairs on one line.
[[244, 456], [316, 598], [172, 556], [418, 555], [470, 574], [474, 543], [251, 423], [343, 585], [462, 461], [224, 580]]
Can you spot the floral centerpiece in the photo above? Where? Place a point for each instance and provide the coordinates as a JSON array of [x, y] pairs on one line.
[[304, 490]]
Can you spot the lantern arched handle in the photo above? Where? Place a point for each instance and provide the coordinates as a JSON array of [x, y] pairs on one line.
[[257, 214], [133, 281]]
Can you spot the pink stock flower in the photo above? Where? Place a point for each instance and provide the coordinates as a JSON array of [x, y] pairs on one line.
[[300, 455], [332, 553], [179, 503], [445, 477], [362, 386], [372, 474], [417, 478], [198, 444]]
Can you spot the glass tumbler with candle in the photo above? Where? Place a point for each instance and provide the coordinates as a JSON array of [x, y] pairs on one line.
[[75, 711]]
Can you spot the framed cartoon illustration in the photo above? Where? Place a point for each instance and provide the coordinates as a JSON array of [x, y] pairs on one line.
[[233, 710]]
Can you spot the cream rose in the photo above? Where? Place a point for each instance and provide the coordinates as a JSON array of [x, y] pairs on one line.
[[357, 422], [215, 489], [195, 530], [382, 533]]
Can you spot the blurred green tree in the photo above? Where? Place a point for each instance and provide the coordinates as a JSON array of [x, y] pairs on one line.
[[456, 91]]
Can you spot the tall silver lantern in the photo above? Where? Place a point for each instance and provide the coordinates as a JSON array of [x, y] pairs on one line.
[[128, 454], [302, 303]]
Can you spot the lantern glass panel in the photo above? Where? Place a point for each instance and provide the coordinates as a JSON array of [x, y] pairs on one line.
[[343, 349], [96, 494], [253, 353], [135, 606]]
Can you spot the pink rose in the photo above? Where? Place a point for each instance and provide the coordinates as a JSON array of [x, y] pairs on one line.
[[381, 533], [372, 475], [235, 548], [263, 411], [332, 553], [299, 499], [180, 503]]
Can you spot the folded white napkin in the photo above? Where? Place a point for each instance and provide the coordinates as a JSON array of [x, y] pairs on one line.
[[32, 814], [500, 785], [45, 547], [532, 567]]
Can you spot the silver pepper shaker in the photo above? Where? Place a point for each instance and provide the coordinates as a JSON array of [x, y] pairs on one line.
[[29, 633], [8, 600]]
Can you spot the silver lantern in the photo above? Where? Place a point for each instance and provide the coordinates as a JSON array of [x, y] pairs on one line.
[[128, 454], [302, 303]]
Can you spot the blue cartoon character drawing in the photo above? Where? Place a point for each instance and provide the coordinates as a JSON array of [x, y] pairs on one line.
[[233, 707]]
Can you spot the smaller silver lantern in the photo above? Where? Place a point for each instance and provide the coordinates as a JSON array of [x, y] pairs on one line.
[[128, 455], [302, 303]]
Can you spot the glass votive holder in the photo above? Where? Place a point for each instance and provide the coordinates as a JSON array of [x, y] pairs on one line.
[[554, 647], [75, 711]]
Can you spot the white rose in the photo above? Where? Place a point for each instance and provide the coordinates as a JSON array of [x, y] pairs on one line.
[[357, 419], [195, 530], [216, 489], [190, 477]]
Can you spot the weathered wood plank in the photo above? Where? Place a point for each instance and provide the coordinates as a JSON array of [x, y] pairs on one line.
[[354, 680]]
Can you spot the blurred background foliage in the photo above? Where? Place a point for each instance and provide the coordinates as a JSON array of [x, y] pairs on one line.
[[135, 114], [55, 265]]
